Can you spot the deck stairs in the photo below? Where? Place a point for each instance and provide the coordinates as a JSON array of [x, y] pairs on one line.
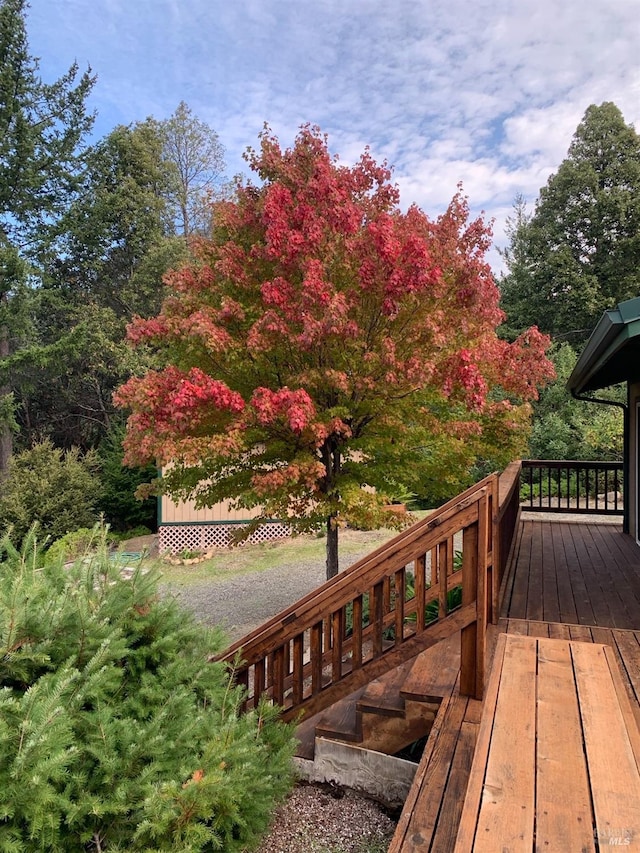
[[355, 741], [392, 711], [364, 662]]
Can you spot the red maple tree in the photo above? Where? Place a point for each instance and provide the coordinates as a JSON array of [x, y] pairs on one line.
[[323, 340]]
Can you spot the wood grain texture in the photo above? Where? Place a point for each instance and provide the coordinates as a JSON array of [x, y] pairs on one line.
[[558, 751]]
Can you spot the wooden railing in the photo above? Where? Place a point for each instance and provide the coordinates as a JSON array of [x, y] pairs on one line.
[[430, 581], [507, 519], [572, 486]]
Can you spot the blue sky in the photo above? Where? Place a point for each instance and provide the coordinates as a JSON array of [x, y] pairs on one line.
[[488, 92]]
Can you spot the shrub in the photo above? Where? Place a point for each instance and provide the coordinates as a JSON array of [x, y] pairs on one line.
[[58, 490], [116, 733], [118, 501], [74, 545]]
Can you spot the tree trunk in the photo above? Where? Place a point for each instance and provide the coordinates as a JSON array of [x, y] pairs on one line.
[[332, 548]]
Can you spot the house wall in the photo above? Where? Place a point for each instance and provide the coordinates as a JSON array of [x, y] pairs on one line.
[[182, 527], [185, 512], [633, 479]]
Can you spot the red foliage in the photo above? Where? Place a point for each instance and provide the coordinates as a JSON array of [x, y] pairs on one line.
[[321, 319]]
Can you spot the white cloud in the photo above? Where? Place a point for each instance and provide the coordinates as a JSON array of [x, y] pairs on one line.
[[487, 92]]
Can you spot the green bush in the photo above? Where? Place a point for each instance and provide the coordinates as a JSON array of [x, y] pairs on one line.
[[116, 733], [74, 545], [118, 500], [132, 533], [58, 490]]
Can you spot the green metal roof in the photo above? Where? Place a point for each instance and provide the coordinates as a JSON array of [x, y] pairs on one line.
[[612, 353]]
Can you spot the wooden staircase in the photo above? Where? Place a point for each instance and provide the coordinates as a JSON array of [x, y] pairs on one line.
[[385, 610], [392, 711], [368, 662]]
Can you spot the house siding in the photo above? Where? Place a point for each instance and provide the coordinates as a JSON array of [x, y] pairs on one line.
[[182, 527]]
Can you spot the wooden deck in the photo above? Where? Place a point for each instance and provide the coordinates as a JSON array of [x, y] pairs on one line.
[[575, 572], [577, 581], [574, 781]]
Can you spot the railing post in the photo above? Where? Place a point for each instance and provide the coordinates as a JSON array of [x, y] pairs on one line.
[[473, 589], [469, 593], [484, 590], [496, 555]]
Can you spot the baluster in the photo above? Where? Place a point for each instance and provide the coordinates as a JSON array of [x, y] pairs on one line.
[[530, 479], [328, 639], [420, 571], [315, 650], [278, 675], [443, 571], [286, 659], [578, 488], [399, 603], [258, 679], [375, 616], [433, 568], [356, 652], [298, 668], [386, 595], [336, 652]]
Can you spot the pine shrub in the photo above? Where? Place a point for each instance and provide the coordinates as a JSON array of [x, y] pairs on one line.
[[54, 488], [116, 732]]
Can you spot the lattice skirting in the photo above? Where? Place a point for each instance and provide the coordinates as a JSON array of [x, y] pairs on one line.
[[175, 538]]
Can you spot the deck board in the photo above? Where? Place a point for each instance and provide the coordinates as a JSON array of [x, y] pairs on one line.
[[575, 573], [571, 581]]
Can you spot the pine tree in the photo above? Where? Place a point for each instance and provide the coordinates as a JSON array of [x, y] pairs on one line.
[[42, 127], [579, 254], [116, 732]]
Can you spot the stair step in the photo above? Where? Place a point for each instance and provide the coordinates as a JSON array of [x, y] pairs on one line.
[[382, 696], [392, 710], [340, 721], [433, 671]]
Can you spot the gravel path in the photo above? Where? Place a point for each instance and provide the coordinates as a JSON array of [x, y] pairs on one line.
[[318, 819], [244, 601]]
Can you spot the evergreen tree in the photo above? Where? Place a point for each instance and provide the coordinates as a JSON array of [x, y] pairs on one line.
[[116, 732], [565, 428], [58, 491], [42, 128], [106, 265], [579, 254]]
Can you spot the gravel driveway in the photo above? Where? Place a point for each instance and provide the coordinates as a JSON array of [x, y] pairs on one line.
[[242, 602]]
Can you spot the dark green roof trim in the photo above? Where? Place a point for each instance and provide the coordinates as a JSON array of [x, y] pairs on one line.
[[612, 353]]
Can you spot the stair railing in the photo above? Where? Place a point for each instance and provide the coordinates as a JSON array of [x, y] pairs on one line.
[[432, 580]]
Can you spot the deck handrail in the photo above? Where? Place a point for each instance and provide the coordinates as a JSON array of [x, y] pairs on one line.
[[506, 524], [377, 613], [575, 486]]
